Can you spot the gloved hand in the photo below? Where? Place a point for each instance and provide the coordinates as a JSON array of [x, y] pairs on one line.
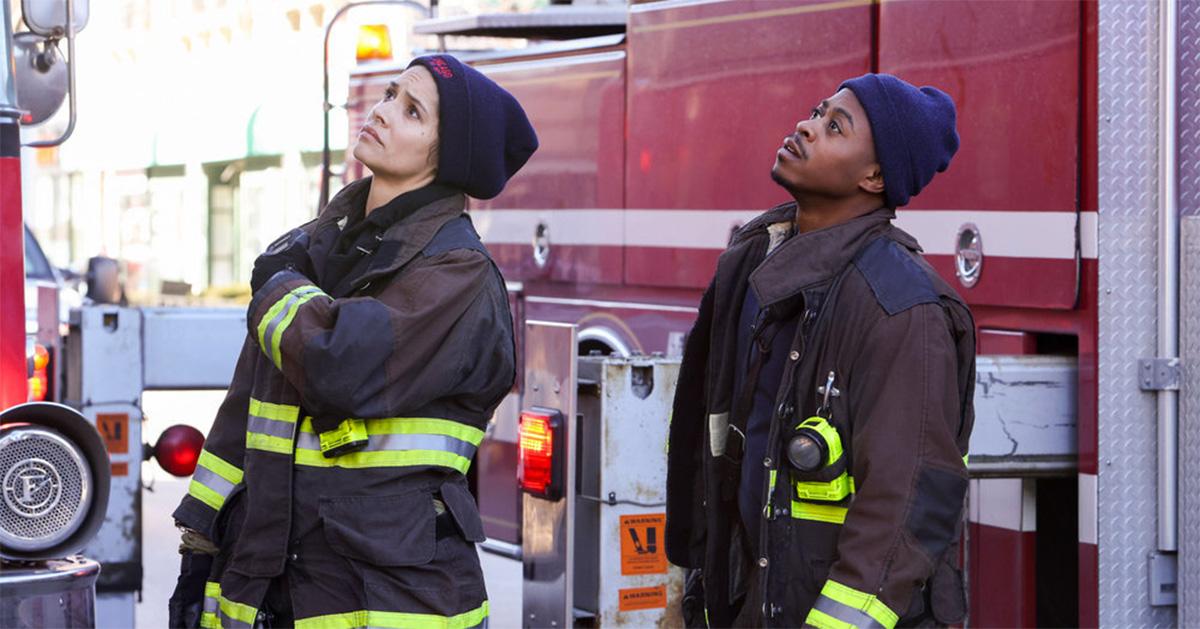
[[693, 600], [290, 251], [187, 601]]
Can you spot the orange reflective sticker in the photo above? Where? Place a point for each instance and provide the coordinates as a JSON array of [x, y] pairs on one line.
[[633, 599], [114, 428], [642, 544], [120, 469]]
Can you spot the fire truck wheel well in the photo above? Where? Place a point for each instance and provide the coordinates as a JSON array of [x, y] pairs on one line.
[[602, 340]]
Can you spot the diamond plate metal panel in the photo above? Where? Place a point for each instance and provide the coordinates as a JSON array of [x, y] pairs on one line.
[[1189, 417], [1189, 111], [1189, 402], [1127, 512]]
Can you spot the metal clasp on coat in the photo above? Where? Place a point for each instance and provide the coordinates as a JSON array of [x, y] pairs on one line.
[[827, 391]]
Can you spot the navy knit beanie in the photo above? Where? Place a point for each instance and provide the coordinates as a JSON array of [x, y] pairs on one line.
[[914, 132], [484, 137]]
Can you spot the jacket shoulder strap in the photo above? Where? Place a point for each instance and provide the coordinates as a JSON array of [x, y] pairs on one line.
[[896, 279], [457, 233]]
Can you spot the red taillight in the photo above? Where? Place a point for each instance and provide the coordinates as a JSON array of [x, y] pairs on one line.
[[39, 379], [178, 449], [539, 468]]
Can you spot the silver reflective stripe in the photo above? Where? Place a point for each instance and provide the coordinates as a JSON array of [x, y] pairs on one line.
[[212, 605], [211, 480], [273, 427], [845, 613], [292, 298], [229, 622], [379, 443]]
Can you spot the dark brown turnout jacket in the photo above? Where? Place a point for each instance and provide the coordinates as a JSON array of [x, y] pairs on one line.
[[902, 345]]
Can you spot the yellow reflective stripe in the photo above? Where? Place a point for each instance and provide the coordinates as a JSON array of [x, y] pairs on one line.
[[210, 618], [830, 514], [384, 458], [277, 307], [238, 611], [269, 443], [821, 620], [862, 601], [220, 467], [279, 412], [415, 426], [965, 458], [772, 487], [406, 620], [200, 492], [277, 337]]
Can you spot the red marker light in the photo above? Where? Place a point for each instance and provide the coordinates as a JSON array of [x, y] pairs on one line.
[[178, 449], [539, 448]]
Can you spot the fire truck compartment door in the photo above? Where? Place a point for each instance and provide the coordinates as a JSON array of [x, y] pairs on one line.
[[1026, 410], [1016, 187], [636, 585]]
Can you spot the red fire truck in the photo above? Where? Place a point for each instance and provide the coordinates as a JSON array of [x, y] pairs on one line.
[[1068, 220]]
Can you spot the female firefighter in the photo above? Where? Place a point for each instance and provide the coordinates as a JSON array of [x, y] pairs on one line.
[[331, 489]]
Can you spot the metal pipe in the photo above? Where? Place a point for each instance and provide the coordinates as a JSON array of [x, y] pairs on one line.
[[70, 83], [324, 198], [1168, 277]]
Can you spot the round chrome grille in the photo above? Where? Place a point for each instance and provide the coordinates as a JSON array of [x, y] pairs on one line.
[[47, 488]]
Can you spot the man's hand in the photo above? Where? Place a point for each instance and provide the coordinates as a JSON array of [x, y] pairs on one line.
[[290, 251]]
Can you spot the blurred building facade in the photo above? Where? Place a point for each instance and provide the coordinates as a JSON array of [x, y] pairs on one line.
[[198, 134]]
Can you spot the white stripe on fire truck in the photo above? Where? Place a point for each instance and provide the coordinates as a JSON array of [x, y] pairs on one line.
[[1005, 503], [1005, 234], [1088, 527]]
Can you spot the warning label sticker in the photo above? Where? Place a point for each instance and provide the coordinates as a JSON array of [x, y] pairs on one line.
[[633, 599], [642, 546], [114, 427]]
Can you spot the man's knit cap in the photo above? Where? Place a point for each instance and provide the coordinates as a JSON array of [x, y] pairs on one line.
[[914, 131], [484, 137]]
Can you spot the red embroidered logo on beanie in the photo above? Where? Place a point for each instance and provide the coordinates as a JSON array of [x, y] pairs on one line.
[[442, 68]]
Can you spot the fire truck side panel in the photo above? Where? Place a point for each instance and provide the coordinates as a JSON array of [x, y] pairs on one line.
[[571, 191], [13, 377], [1012, 68], [713, 90]]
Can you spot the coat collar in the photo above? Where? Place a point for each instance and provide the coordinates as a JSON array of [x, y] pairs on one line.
[[405, 238], [811, 258]]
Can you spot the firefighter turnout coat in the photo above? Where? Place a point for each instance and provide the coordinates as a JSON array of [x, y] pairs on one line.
[[421, 347], [870, 539]]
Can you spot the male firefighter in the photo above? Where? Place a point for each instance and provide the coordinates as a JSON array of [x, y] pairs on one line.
[[825, 396], [331, 489]]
